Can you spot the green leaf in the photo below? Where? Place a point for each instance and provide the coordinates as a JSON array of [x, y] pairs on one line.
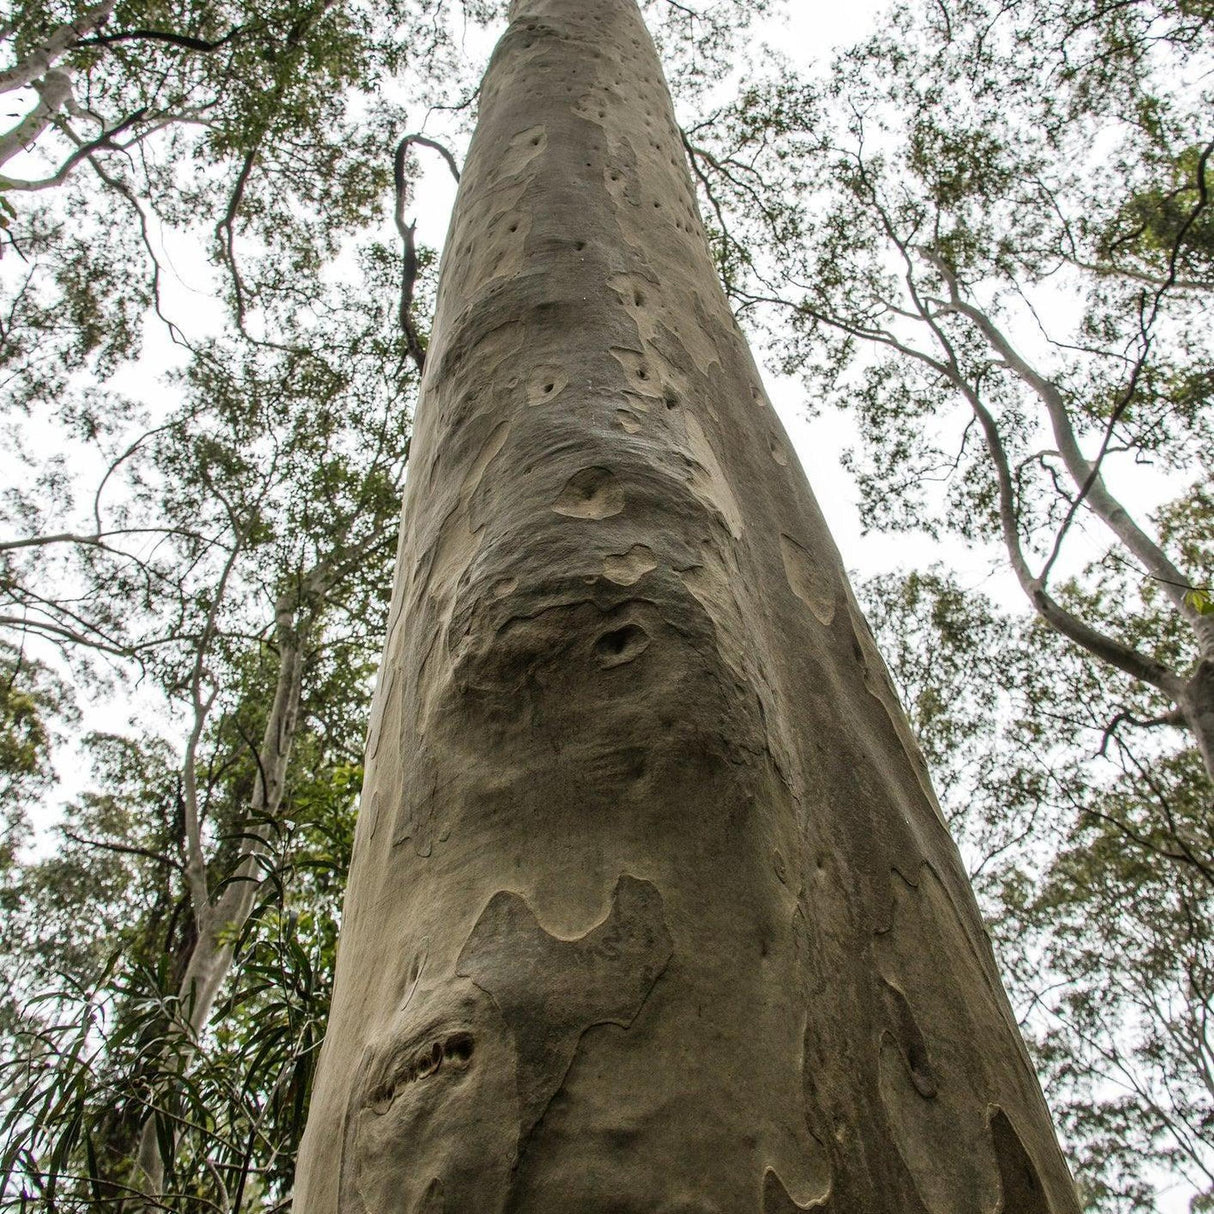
[[1200, 601]]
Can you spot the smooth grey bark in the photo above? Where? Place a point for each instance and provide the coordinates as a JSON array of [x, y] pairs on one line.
[[652, 907], [1197, 704]]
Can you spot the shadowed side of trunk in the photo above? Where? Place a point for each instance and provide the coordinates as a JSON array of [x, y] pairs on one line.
[[652, 908]]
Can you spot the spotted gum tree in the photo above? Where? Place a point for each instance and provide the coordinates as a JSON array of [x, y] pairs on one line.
[[652, 907]]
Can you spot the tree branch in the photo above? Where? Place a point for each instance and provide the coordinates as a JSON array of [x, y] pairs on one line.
[[188, 41], [1085, 473], [104, 140], [407, 232], [40, 60]]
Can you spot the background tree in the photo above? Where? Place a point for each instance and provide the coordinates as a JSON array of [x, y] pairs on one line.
[[284, 472]]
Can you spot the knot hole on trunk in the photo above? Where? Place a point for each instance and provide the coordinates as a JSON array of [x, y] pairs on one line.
[[621, 645]]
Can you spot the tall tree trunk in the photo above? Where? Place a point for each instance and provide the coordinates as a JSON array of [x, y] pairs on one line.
[[652, 907]]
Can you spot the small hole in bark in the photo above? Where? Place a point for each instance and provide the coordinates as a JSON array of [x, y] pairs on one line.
[[642, 373], [426, 1063], [458, 1048], [549, 387], [621, 645], [671, 397], [639, 299], [580, 245]]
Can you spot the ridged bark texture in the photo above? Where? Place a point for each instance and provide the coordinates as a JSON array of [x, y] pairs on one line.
[[652, 907]]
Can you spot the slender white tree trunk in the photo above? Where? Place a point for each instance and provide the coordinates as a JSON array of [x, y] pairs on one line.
[[211, 958], [1197, 704], [652, 907]]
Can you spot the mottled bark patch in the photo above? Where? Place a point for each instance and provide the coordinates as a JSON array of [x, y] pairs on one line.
[[592, 493], [550, 991], [777, 1199], [430, 1124], [708, 479], [812, 584], [627, 568]]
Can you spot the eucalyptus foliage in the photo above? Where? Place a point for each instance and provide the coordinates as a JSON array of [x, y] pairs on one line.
[[987, 235]]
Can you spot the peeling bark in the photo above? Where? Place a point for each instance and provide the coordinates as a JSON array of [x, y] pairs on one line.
[[652, 906]]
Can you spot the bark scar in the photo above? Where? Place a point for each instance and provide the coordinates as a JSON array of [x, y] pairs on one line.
[[778, 1200], [551, 991]]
